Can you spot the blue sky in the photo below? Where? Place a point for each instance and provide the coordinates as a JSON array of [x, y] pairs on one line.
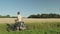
[[28, 7]]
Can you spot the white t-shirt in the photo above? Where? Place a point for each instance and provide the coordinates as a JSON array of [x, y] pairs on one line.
[[19, 18]]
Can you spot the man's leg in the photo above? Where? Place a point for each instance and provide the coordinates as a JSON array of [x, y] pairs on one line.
[[17, 28], [22, 28]]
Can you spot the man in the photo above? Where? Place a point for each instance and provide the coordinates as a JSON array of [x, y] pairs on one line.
[[20, 22]]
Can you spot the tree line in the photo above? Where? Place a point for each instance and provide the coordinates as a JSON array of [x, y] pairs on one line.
[[7, 16], [51, 15]]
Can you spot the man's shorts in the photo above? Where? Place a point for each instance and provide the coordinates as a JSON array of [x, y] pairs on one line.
[[19, 23]]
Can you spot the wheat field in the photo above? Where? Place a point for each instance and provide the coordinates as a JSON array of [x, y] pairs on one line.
[[29, 20]]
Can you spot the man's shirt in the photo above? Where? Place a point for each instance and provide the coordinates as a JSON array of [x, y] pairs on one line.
[[19, 18]]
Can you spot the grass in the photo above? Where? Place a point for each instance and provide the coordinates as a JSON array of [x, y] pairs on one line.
[[35, 28]]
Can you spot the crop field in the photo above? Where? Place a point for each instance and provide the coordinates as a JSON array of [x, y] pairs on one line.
[[29, 20], [34, 26]]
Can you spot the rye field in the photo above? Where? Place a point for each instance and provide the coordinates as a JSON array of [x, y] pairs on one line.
[[34, 26]]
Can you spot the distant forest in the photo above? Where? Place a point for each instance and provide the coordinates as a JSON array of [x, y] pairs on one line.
[[7, 16], [51, 15]]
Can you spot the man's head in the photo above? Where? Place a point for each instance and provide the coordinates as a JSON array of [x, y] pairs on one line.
[[18, 13]]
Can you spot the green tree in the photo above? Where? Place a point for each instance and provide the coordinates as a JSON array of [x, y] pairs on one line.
[[51, 15]]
